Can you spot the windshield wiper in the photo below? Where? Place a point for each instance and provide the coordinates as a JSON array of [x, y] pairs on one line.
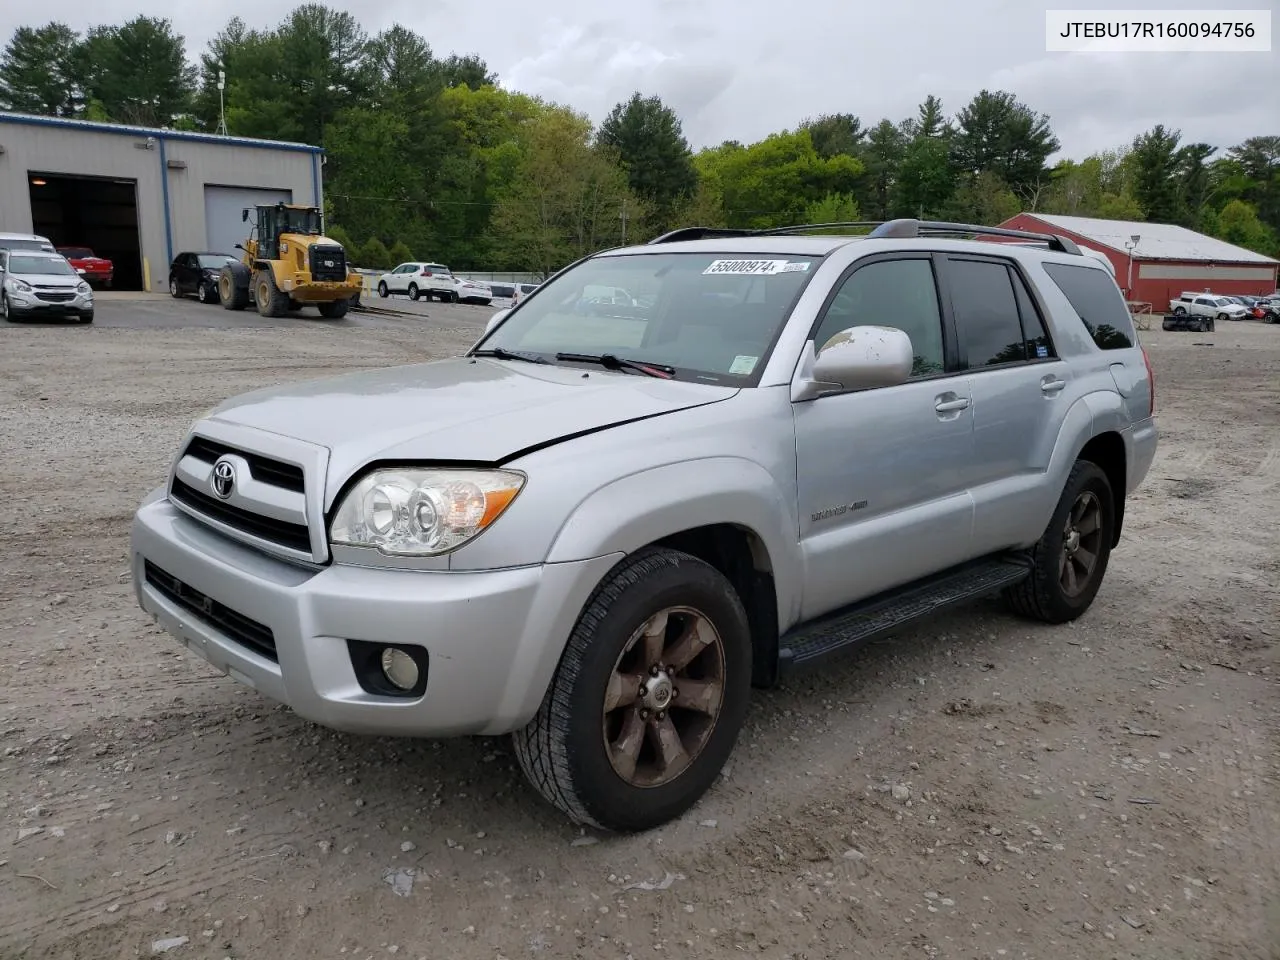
[[611, 362], [500, 354]]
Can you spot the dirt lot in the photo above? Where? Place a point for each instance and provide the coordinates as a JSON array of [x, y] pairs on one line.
[[976, 788]]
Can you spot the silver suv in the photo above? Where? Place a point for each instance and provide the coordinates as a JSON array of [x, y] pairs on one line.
[[598, 528]]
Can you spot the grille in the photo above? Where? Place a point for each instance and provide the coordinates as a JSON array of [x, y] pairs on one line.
[[244, 631], [328, 262], [58, 296], [295, 536], [264, 469]]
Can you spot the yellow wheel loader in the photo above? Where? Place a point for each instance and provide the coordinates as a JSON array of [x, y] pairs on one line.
[[288, 264]]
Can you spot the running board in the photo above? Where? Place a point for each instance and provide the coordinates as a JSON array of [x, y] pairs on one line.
[[888, 612]]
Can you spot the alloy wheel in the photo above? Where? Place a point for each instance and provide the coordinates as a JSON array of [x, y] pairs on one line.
[[664, 697], [1081, 544]]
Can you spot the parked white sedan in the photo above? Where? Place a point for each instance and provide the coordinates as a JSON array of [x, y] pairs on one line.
[[434, 281]]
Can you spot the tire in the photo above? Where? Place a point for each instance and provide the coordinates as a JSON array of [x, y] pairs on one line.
[[1179, 311], [233, 287], [563, 750], [413, 291], [5, 311], [1167, 324], [334, 310], [174, 290], [206, 292], [271, 301], [1224, 317], [1042, 596], [86, 317], [382, 289], [1210, 325]]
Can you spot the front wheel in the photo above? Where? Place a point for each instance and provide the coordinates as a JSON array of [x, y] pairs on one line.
[[413, 291], [382, 289], [1070, 559], [5, 310], [650, 694], [206, 292]]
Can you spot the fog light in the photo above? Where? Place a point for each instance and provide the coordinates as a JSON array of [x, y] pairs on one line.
[[399, 668]]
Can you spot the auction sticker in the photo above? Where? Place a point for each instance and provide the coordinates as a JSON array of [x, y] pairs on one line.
[[746, 268]]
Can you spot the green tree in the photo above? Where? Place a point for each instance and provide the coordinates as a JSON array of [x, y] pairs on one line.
[[985, 200], [832, 208], [998, 134], [38, 71], [137, 72], [646, 137], [834, 134], [770, 183], [565, 200], [1193, 180], [930, 120], [374, 255], [926, 179], [1156, 185], [338, 234], [1238, 223], [882, 157], [399, 253]]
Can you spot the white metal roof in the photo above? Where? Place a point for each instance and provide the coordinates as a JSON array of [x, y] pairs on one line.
[[1158, 241], [69, 123]]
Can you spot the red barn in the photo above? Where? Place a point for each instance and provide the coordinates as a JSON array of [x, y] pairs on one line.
[[1156, 262]]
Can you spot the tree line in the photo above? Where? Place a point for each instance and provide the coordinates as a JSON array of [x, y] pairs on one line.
[[428, 158]]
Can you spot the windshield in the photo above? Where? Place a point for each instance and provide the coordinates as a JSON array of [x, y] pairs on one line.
[[215, 261], [710, 316], [305, 221], [43, 266]]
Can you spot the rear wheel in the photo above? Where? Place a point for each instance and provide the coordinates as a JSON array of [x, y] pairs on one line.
[[272, 302], [335, 309], [175, 291], [1224, 317], [648, 699], [382, 288], [1070, 559], [1179, 311]]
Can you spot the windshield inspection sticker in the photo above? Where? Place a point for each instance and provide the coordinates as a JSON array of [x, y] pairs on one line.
[[743, 365], [746, 268]]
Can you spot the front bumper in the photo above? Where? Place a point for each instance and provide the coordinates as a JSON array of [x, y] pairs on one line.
[[29, 305], [493, 638]]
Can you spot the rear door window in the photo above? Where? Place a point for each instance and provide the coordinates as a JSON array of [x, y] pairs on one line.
[[986, 313], [1098, 302]]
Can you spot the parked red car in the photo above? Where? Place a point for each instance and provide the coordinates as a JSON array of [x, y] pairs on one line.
[[93, 268]]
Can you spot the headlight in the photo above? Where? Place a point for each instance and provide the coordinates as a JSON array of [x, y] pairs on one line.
[[413, 512], [83, 288], [20, 286]]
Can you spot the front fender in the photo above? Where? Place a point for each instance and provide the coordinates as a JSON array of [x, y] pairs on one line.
[[638, 509]]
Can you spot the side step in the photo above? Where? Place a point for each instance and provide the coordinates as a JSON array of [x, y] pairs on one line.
[[887, 612]]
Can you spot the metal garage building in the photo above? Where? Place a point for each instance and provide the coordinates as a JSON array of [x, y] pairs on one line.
[[1156, 262], [138, 196]]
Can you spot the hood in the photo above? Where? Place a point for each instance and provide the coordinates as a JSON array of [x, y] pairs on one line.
[[459, 409], [47, 280]]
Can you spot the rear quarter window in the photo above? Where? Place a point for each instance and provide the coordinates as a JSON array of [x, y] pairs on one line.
[[1098, 302]]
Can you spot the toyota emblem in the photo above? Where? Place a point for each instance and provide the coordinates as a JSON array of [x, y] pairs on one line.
[[223, 478]]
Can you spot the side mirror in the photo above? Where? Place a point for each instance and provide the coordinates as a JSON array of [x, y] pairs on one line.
[[244, 215], [239, 247], [495, 320], [860, 358]]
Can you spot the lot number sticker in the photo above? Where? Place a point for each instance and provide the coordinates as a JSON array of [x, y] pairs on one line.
[[743, 365], [746, 268]]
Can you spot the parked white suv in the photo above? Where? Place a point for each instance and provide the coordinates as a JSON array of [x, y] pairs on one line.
[[434, 281]]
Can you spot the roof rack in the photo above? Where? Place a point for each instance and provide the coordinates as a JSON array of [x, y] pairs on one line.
[[903, 229], [908, 229]]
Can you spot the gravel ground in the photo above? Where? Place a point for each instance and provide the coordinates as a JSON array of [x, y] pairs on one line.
[[978, 787]]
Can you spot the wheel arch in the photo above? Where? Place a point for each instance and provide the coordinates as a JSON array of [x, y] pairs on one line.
[[1107, 450]]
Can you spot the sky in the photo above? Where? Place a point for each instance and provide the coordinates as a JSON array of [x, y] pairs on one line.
[[741, 69]]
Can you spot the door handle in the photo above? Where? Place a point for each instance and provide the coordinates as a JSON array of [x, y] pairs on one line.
[[1052, 384], [946, 406]]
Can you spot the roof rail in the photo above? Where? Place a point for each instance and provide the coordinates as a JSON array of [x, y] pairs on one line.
[[908, 228], [902, 229], [701, 233]]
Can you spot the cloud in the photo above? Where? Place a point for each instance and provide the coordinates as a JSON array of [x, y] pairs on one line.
[[740, 69]]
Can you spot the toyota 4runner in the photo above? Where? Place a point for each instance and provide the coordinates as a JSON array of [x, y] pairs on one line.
[[608, 519]]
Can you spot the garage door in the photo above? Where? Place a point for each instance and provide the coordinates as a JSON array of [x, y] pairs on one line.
[[222, 206]]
